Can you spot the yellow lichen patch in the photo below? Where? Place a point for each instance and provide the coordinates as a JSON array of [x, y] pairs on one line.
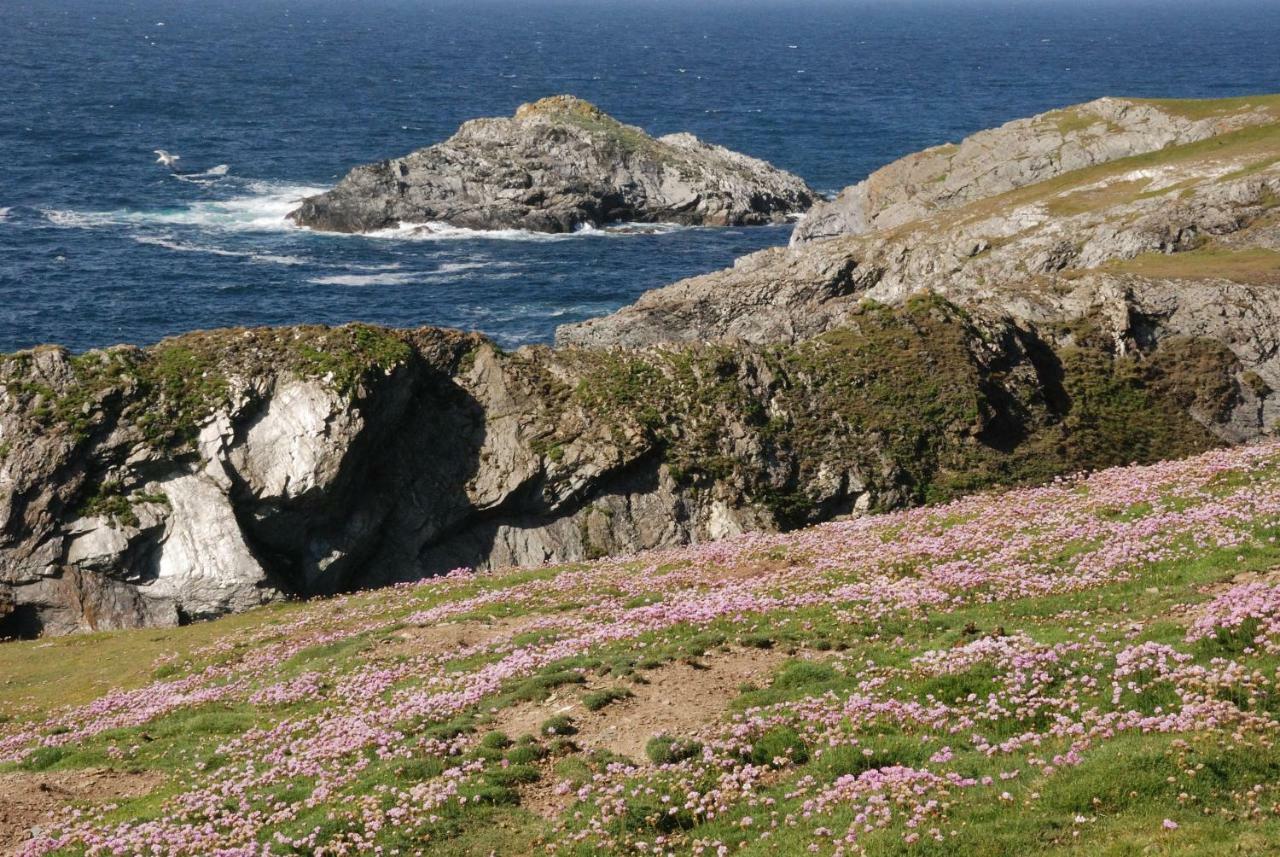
[[561, 104], [1070, 119]]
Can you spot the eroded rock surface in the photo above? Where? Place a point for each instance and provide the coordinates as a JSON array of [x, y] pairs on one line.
[[310, 460], [558, 164]]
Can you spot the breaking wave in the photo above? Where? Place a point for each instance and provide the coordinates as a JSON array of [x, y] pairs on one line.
[[261, 209], [183, 247], [435, 231], [384, 279]]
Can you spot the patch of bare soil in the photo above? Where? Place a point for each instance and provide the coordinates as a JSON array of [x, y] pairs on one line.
[[541, 797], [28, 801], [1184, 613], [440, 640], [1270, 576], [679, 698]]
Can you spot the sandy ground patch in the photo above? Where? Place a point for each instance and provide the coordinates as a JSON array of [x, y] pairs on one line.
[[680, 698]]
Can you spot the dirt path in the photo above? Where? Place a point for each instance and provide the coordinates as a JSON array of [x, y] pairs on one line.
[[28, 801]]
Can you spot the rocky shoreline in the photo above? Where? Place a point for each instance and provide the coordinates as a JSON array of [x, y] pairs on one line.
[[1063, 318]]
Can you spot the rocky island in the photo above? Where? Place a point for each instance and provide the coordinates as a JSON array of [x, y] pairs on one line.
[[1098, 305], [559, 164]]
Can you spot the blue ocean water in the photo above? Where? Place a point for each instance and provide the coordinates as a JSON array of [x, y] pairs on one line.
[[98, 244]]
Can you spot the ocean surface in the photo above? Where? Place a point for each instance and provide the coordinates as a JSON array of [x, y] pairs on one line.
[[271, 100]]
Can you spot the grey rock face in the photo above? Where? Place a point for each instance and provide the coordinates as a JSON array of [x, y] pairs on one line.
[[557, 165], [1016, 154], [1018, 260], [299, 478]]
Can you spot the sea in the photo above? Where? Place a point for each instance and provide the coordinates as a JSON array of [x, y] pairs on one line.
[[268, 101]]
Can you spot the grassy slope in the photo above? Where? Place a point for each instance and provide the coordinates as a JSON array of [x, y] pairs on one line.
[[1254, 147], [916, 639]]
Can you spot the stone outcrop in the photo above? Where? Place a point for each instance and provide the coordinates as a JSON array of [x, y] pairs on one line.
[[1123, 312], [1021, 153], [213, 472], [1179, 242], [1206, 241], [557, 165]]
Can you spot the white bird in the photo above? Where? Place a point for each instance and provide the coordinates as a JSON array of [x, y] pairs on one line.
[[167, 159]]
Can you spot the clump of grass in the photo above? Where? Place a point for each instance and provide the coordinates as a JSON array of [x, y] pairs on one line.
[[668, 749], [512, 775], [757, 641], [526, 754], [804, 674], [778, 746], [558, 725], [540, 686], [599, 699], [495, 740]]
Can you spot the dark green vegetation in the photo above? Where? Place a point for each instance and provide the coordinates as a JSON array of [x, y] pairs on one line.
[[170, 389], [919, 403]]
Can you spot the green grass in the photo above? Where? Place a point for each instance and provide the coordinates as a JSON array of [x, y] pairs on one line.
[[1254, 265], [1250, 144], [596, 700], [1206, 108], [1124, 788]]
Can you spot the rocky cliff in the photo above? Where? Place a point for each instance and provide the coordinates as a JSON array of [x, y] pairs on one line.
[[1179, 242], [217, 471], [1121, 312], [558, 164], [1024, 152]]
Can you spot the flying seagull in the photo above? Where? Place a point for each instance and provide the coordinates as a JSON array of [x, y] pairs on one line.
[[167, 159]]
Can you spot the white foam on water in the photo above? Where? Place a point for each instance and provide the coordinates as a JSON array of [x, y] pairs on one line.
[[385, 279], [264, 205], [213, 175], [74, 219], [262, 210], [459, 267], [394, 266], [4, 214], [182, 247], [436, 231]]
